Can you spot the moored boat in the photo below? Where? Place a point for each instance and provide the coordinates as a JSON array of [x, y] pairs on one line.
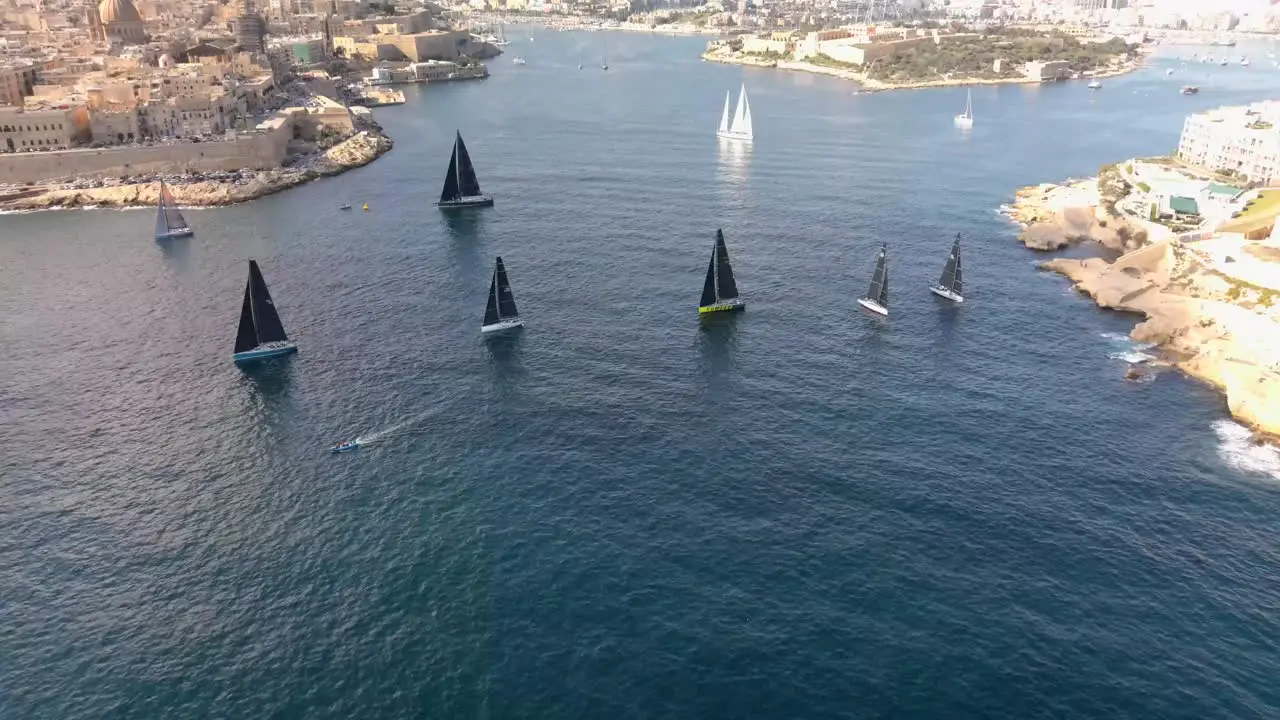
[[964, 120]]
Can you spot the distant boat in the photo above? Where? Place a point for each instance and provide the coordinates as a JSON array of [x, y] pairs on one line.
[[951, 284], [965, 119], [502, 37], [1095, 84], [260, 335], [740, 128], [877, 299], [345, 207], [347, 446], [461, 187], [1244, 61], [169, 221], [1223, 63], [1190, 89], [719, 291], [500, 310], [518, 60], [1169, 71]]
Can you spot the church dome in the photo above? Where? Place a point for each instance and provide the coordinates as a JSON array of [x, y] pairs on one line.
[[118, 11]]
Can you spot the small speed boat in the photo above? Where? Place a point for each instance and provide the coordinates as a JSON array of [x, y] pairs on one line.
[[347, 446], [345, 207]]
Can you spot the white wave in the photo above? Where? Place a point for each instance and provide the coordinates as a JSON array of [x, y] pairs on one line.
[[1132, 357], [1237, 449], [1115, 337]]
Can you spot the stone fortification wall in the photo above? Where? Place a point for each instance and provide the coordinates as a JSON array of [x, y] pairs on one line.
[[259, 151]]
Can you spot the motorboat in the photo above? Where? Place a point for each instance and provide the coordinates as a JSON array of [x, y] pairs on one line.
[[345, 207], [347, 446]]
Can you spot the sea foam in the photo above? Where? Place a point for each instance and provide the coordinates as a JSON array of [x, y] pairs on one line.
[[1237, 449]]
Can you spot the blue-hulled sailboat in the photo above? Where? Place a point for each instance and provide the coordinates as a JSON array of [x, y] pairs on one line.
[[261, 334]]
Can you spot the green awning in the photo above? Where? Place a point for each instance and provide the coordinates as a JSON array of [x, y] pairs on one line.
[[1184, 205]]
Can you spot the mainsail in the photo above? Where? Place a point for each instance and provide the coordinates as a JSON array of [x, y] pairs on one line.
[[952, 276], [460, 181], [968, 106], [742, 115], [502, 302], [726, 288], [880, 280], [168, 218], [259, 321]]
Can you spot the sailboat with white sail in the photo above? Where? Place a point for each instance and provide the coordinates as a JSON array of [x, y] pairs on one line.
[[877, 298], [461, 186], [951, 284], [719, 290], [740, 127], [964, 120], [500, 311], [260, 334], [169, 221]]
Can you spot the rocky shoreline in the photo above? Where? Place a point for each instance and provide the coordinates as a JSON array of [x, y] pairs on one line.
[[361, 148], [1211, 306], [870, 85]]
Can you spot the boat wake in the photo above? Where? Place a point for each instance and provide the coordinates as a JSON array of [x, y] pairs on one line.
[[373, 437], [1237, 448]]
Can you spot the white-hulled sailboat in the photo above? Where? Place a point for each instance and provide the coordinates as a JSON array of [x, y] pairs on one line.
[[965, 119], [951, 284], [877, 298], [740, 127], [500, 311], [169, 221]]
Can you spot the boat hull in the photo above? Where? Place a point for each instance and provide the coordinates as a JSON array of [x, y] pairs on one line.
[[731, 135], [502, 325], [734, 305], [262, 352], [465, 202], [873, 306], [963, 122], [945, 293], [344, 448], [175, 233]]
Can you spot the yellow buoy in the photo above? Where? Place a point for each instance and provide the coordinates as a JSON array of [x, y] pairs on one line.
[[366, 207]]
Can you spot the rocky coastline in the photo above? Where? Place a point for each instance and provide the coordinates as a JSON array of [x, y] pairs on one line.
[[868, 84], [1211, 306], [357, 150]]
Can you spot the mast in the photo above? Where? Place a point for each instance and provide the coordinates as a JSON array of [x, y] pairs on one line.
[[968, 104], [726, 288], [879, 290], [491, 314], [246, 333], [450, 191], [709, 285], [468, 184], [506, 299], [265, 318]]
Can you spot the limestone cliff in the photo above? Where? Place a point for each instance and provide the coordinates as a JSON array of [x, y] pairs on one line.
[[1212, 324]]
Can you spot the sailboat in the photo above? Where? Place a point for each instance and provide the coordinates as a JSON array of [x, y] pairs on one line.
[[719, 291], [951, 284], [965, 119], [877, 299], [502, 37], [604, 62], [500, 311], [461, 188], [260, 334], [169, 221], [740, 128]]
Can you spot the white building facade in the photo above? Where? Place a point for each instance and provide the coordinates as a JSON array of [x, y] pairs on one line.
[[1243, 140]]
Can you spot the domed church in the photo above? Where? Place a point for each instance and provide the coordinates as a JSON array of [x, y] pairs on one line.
[[120, 20]]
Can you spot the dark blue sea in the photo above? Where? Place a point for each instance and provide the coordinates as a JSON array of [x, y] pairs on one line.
[[799, 511]]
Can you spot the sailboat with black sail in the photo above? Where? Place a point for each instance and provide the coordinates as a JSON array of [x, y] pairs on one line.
[[951, 284], [261, 334], [461, 187], [877, 299], [719, 291], [169, 221], [500, 311]]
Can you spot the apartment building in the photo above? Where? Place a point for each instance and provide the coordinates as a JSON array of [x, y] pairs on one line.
[[28, 130], [16, 82], [1243, 140]]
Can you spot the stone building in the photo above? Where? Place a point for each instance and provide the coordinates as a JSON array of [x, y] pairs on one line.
[[121, 22]]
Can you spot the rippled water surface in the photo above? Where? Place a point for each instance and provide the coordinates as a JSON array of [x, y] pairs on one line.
[[798, 511]]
